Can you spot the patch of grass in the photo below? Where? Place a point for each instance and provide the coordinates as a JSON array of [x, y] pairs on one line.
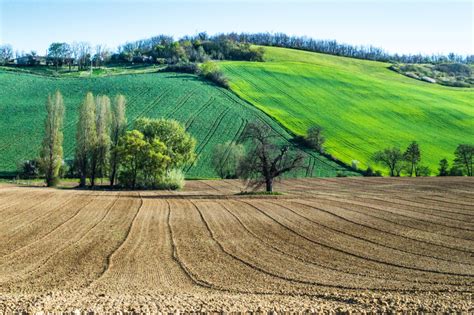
[[362, 105], [211, 114]]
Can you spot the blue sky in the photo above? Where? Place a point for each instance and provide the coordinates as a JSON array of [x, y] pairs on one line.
[[403, 26]]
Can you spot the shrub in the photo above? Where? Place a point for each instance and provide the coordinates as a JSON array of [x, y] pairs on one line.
[[211, 72], [188, 67], [29, 169], [173, 180]]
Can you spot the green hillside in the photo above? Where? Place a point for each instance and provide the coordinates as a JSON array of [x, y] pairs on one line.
[[362, 105], [213, 115]]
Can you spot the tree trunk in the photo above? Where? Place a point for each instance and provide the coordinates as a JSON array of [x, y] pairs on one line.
[[112, 176], [82, 181], [269, 184]]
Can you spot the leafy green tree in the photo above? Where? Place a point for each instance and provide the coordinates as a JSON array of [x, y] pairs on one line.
[[58, 52], [141, 159], [443, 169], [423, 170], [391, 158], [226, 158], [180, 145], [51, 154], [101, 149], [118, 128], [464, 157], [86, 137], [412, 156], [315, 138]]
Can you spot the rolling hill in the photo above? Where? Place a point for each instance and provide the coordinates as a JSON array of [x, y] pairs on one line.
[[363, 106], [213, 115]]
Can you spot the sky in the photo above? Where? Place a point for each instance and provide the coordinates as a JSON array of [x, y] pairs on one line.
[[403, 26]]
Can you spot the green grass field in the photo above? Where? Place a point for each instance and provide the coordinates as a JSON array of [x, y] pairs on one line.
[[213, 115], [363, 106]]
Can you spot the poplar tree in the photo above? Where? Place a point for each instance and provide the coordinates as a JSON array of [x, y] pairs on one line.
[[51, 154], [118, 128], [101, 147], [86, 137]]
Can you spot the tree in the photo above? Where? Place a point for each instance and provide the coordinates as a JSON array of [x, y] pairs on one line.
[[423, 170], [266, 160], [141, 159], [51, 154], [86, 137], [180, 145], [101, 149], [6, 53], [58, 52], [412, 156], [443, 169], [226, 158], [315, 138], [464, 157], [390, 157], [29, 169], [118, 128]]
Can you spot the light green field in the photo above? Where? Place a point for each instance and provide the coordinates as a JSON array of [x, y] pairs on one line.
[[363, 106], [213, 115]]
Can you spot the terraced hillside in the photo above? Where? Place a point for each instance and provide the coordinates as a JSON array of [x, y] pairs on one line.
[[213, 115], [363, 105], [340, 244]]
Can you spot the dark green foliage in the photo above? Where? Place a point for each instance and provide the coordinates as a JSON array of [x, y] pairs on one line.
[[412, 156], [443, 169], [423, 170], [369, 172], [391, 158], [29, 169], [464, 158], [315, 138]]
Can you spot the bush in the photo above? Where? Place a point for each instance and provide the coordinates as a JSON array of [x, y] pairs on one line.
[[454, 69], [29, 169], [211, 72], [188, 67], [173, 180], [369, 172]]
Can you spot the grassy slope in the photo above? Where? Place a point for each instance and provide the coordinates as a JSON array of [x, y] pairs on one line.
[[362, 105], [213, 115]]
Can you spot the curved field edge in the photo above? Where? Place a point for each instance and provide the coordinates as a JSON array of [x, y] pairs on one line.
[[211, 114], [363, 106]]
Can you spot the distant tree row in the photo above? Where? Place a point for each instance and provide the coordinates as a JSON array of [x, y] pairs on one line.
[[160, 49], [163, 49], [150, 156], [333, 47], [408, 162]]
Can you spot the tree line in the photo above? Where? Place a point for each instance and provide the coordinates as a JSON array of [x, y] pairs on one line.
[[408, 161], [164, 49], [159, 49], [152, 155], [333, 47]]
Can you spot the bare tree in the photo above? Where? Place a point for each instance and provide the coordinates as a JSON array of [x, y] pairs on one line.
[[266, 160], [6, 53]]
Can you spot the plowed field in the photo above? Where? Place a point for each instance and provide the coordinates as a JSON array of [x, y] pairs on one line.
[[326, 244]]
